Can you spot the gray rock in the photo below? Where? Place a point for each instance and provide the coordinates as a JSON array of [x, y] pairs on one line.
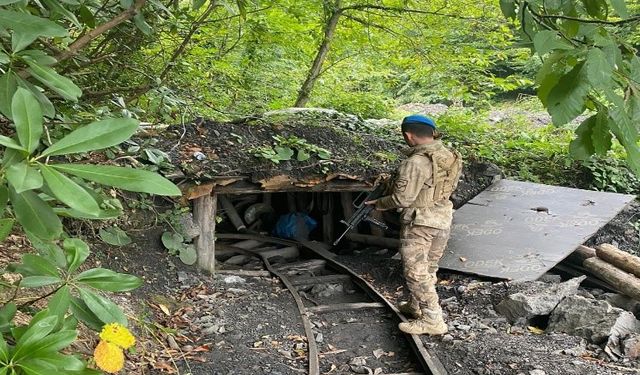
[[233, 279], [631, 346], [623, 302], [537, 299], [537, 372], [326, 290], [182, 276], [190, 229], [596, 321], [237, 260], [550, 278]]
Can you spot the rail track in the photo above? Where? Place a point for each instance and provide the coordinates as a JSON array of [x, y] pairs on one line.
[[318, 267]]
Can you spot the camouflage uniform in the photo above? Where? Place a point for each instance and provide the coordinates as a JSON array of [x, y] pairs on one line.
[[426, 215]]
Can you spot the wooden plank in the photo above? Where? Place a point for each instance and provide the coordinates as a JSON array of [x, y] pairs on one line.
[[393, 243], [345, 307], [326, 204], [232, 213], [248, 273], [324, 279], [204, 213], [243, 187]]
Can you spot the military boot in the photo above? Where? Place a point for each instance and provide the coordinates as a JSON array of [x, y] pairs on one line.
[[431, 323], [410, 308]]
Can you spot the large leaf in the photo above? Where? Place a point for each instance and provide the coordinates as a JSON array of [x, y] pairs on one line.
[[59, 304], [38, 329], [68, 192], [52, 343], [548, 40], [105, 310], [7, 312], [566, 100], [123, 178], [620, 7], [46, 105], [27, 28], [100, 215], [598, 68], [114, 236], [84, 314], [48, 250], [5, 228], [95, 136], [56, 7], [38, 281], [76, 251], [8, 87], [10, 143], [627, 134], [108, 280], [508, 8], [23, 177], [35, 215], [36, 265], [27, 117], [4, 198], [60, 84]]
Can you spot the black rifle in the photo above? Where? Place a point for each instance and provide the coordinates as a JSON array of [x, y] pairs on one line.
[[363, 210]]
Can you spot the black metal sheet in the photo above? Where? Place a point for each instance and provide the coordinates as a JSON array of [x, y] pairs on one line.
[[519, 230]]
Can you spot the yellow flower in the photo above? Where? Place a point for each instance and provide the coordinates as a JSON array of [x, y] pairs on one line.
[[117, 334], [109, 357]]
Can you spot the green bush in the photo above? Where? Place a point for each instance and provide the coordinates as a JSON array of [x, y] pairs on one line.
[[361, 103]]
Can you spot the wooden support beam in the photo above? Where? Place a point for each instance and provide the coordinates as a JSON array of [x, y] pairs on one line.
[[291, 202], [204, 213], [324, 279], [326, 204], [346, 306], [627, 283], [232, 213]]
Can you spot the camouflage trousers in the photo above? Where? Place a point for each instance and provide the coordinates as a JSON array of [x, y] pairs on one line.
[[421, 248]]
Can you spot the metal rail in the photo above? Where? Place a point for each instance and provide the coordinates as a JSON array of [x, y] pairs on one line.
[[430, 362]]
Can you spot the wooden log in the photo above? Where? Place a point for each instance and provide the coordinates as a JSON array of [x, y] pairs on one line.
[[393, 243], [204, 213], [291, 202], [328, 232], [347, 205], [248, 244], [623, 260], [232, 213], [346, 306], [290, 252], [580, 254], [577, 271], [250, 273], [626, 283], [312, 266]]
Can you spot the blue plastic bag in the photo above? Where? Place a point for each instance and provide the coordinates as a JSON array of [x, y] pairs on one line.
[[295, 226]]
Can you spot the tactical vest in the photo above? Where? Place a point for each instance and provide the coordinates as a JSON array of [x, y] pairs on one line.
[[446, 170]]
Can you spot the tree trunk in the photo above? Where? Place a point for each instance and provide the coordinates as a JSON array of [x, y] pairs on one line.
[[329, 30], [619, 258], [204, 213]]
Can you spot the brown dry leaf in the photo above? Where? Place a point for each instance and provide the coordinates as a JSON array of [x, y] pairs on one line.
[[535, 330], [257, 344], [378, 353], [164, 309]]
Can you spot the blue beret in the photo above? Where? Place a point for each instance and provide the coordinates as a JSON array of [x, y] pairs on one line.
[[419, 119]]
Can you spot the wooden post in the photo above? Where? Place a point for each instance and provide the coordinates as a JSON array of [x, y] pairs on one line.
[[328, 233], [291, 202], [204, 213], [232, 214]]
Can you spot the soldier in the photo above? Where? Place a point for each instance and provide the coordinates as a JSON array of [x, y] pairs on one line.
[[421, 190]]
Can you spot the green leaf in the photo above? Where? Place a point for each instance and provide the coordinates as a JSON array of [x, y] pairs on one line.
[[142, 24], [7, 312], [566, 100], [35, 215], [36, 265], [80, 310], [46, 105], [5, 228], [123, 178], [60, 84], [197, 4], [596, 8], [4, 350], [76, 251], [7, 2], [620, 7], [23, 177], [8, 86], [105, 310], [303, 155], [59, 304], [548, 40], [108, 280], [508, 8], [87, 16], [283, 153], [48, 250], [172, 240], [10, 143], [100, 215], [73, 365], [627, 134], [114, 236], [56, 7], [38, 281], [38, 56], [188, 254], [598, 68], [4, 198], [68, 192], [50, 344], [27, 28], [95, 136], [37, 330], [27, 117]]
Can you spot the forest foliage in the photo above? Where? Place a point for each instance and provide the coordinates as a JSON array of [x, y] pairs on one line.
[[76, 77]]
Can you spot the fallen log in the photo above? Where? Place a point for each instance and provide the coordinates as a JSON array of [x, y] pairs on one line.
[[626, 283], [623, 260], [232, 213], [248, 244], [290, 252], [393, 243]]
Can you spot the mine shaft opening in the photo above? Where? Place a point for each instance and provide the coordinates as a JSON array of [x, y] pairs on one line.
[[308, 216]]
